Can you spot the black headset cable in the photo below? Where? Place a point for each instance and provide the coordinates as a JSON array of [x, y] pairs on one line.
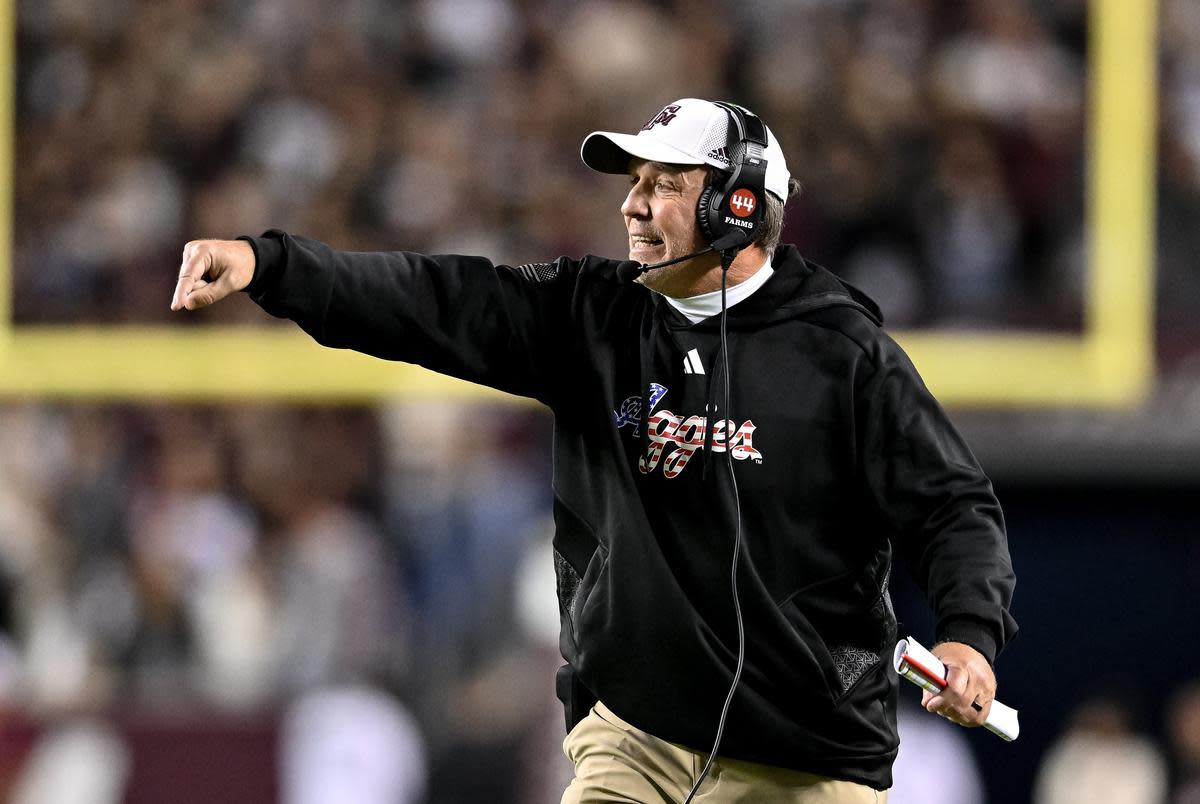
[[726, 260]]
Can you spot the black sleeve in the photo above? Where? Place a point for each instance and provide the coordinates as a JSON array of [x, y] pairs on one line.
[[461, 316], [939, 505]]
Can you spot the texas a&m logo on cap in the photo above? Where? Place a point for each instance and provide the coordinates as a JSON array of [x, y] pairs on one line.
[[742, 203], [662, 118]]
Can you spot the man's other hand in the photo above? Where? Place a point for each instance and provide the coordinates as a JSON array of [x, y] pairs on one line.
[[970, 687]]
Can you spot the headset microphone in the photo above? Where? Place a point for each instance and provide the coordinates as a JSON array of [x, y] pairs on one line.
[[629, 271]]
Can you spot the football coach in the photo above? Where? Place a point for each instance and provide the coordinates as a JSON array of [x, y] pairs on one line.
[[739, 449]]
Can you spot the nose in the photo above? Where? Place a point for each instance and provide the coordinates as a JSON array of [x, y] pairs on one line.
[[636, 205]]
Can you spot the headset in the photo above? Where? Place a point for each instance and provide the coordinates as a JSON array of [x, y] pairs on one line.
[[728, 213], [737, 205]]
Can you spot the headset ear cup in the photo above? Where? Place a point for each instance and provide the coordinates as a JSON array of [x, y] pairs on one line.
[[704, 212]]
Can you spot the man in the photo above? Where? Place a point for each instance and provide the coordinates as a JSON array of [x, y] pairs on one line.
[[828, 452]]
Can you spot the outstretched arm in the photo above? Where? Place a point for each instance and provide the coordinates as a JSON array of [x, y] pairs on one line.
[[462, 316]]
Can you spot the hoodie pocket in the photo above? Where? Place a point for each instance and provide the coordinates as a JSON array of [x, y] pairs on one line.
[[587, 596], [847, 645], [575, 591], [820, 667], [577, 557]]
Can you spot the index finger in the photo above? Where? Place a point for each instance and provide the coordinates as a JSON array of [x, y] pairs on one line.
[[958, 679], [954, 695], [191, 269]]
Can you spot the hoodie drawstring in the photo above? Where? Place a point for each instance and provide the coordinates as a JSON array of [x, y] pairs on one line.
[[710, 422], [647, 361]]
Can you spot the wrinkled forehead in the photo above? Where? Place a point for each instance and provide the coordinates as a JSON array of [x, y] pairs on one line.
[[639, 167]]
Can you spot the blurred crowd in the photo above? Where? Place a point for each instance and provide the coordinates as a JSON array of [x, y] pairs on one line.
[[387, 566], [1104, 753], [941, 143], [354, 570]]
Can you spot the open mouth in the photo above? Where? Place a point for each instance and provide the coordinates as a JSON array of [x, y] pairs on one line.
[[642, 241]]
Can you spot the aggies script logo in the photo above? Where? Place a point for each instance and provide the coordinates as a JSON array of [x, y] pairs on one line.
[[662, 118], [679, 438]]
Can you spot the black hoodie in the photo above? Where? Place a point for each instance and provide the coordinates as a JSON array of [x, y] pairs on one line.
[[840, 453]]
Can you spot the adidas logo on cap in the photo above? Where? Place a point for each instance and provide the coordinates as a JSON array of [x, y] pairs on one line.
[[719, 155]]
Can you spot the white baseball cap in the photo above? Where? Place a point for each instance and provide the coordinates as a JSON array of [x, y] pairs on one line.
[[689, 131]]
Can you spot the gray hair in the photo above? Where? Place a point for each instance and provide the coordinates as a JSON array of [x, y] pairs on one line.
[[771, 228]]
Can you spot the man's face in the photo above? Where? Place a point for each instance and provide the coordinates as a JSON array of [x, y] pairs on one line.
[[660, 217]]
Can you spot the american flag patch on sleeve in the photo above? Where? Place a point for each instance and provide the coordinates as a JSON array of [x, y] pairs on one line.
[[538, 271]]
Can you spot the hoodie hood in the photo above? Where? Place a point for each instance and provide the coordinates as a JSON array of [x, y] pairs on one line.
[[798, 287]]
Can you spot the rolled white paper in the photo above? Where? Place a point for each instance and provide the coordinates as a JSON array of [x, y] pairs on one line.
[[922, 668]]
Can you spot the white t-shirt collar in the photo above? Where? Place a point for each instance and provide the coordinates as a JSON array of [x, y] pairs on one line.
[[706, 305]]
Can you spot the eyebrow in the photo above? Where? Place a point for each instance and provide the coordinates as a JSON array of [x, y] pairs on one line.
[[674, 170]]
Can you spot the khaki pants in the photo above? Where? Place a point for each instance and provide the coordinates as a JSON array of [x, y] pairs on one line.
[[616, 762]]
